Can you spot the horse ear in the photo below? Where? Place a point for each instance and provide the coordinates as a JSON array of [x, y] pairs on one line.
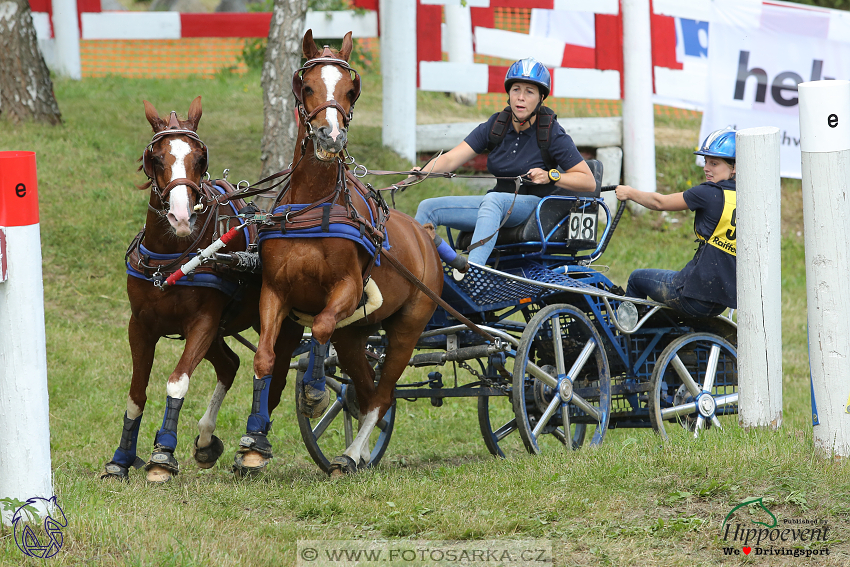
[[152, 115], [309, 46], [347, 46], [195, 113]]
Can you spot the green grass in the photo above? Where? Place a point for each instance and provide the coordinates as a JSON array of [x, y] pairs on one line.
[[632, 501]]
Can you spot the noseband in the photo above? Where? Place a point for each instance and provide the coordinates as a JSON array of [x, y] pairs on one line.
[[172, 130], [326, 58]]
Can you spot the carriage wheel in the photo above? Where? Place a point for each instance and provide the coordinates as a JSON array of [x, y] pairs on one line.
[[334, 431], [694, 383], [557, 391]]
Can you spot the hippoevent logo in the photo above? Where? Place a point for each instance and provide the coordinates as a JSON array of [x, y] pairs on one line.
[[772, 537], [39, 545]]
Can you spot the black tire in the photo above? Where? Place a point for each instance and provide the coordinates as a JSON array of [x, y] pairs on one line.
[[673, 394], [585, 397]]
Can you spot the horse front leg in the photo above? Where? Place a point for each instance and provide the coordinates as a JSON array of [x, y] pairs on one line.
[[163, 466], [208, 448], [312, 398], [278, 336], [142, 349]]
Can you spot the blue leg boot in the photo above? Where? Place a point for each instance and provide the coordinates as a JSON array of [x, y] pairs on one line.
[[311, 396], [254, 448], [166, 440], [125, 456], [450, 256]]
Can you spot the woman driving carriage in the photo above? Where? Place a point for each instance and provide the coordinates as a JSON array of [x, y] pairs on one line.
[[706, 285], [527, 83]]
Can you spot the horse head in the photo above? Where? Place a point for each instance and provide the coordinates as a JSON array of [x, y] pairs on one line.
[[175, 161], [326, 88]]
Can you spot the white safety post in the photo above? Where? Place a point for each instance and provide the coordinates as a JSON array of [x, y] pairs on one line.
[[67, 33], [759, 254], [638, 111], [24, 419], [398, 70], [459, 42], [825, 146]]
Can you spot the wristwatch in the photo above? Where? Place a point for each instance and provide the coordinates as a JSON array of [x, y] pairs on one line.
[[554, 175]]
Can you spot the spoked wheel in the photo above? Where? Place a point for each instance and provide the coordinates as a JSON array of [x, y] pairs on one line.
[[558, 391], [694, 383], [333, 432]]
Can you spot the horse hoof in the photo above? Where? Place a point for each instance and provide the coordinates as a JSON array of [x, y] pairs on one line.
[[206, 457], [249, 463], [312, 403], [114, 471], [159, 475], [342, 466]]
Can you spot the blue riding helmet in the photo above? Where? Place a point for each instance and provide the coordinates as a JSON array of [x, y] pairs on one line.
[[529, 70], [720, 143]]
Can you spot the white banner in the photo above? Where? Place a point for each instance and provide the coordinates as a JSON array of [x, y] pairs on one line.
[[758, 54]]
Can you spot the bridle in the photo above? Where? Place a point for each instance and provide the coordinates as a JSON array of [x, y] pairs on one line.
[[173, 129], [326, 58]]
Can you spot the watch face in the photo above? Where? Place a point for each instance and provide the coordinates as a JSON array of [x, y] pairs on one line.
[[554, 174]]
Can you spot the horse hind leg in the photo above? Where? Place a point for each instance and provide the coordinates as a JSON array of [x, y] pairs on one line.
[[207, 447]]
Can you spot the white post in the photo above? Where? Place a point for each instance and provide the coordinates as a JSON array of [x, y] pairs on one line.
[[759, 260], [67, 33], [459, 42], [638, 111], [825, 145], [398, 70], [24, 416]]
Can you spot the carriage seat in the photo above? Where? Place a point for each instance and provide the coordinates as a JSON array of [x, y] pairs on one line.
[[552, 212]]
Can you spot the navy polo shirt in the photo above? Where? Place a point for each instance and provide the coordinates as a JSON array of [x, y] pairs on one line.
[[519, 152], [710, 276]]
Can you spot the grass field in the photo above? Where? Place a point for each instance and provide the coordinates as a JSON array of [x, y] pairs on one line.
[[634, 501]]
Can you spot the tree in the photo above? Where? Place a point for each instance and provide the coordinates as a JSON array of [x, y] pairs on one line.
[[26, 90], [283, 58]]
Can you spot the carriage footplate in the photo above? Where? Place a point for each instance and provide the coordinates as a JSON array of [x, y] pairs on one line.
[[342, 465], [163, 457], [246, 462], [207, 456], [311, 396]]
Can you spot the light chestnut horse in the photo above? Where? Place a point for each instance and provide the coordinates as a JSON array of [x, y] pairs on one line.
[[322, 279]]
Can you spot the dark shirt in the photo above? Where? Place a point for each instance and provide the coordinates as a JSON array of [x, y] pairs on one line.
[[519, 152], [710, 276]]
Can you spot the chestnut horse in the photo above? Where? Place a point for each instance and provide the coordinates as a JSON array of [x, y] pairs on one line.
[[320, 281], [183, 215]]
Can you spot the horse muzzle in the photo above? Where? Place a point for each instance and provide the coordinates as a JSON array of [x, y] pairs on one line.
[[326, 147]]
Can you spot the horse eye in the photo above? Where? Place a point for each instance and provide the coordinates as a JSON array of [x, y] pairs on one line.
[[308, 91], [351, 95]]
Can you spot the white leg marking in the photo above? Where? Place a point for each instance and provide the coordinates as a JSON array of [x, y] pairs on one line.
[[206, 425], [359, 448], [331, 76], [133, 411], [178, 388], [178, 198]]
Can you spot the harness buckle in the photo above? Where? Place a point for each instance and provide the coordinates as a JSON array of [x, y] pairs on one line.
[[363, 174]]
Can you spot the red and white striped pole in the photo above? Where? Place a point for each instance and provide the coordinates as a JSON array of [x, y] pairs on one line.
[[25, 470]]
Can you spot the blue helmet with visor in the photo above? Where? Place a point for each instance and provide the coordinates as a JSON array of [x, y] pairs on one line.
[[529, 70], [720, 143]]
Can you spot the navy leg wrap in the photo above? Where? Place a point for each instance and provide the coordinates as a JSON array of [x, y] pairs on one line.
[[125, 455], [315, 374], [166, 437], [259, 420]]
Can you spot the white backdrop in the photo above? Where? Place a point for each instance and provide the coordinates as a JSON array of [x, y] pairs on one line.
[[757, 55]]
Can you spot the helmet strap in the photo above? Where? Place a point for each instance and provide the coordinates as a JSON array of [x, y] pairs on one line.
[[532, 115]]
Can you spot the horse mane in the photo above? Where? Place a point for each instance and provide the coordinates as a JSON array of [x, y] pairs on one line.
[[144, 185]]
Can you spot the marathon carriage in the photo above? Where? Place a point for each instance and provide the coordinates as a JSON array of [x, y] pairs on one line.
[[566, 356]]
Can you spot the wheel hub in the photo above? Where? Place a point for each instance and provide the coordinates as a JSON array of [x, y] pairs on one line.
[[706, 405], [565, 389]]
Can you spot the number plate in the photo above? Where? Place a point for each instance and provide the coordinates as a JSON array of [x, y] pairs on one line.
[[583, 226]]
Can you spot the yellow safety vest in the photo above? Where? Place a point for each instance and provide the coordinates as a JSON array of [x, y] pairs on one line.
[[723, 237]]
